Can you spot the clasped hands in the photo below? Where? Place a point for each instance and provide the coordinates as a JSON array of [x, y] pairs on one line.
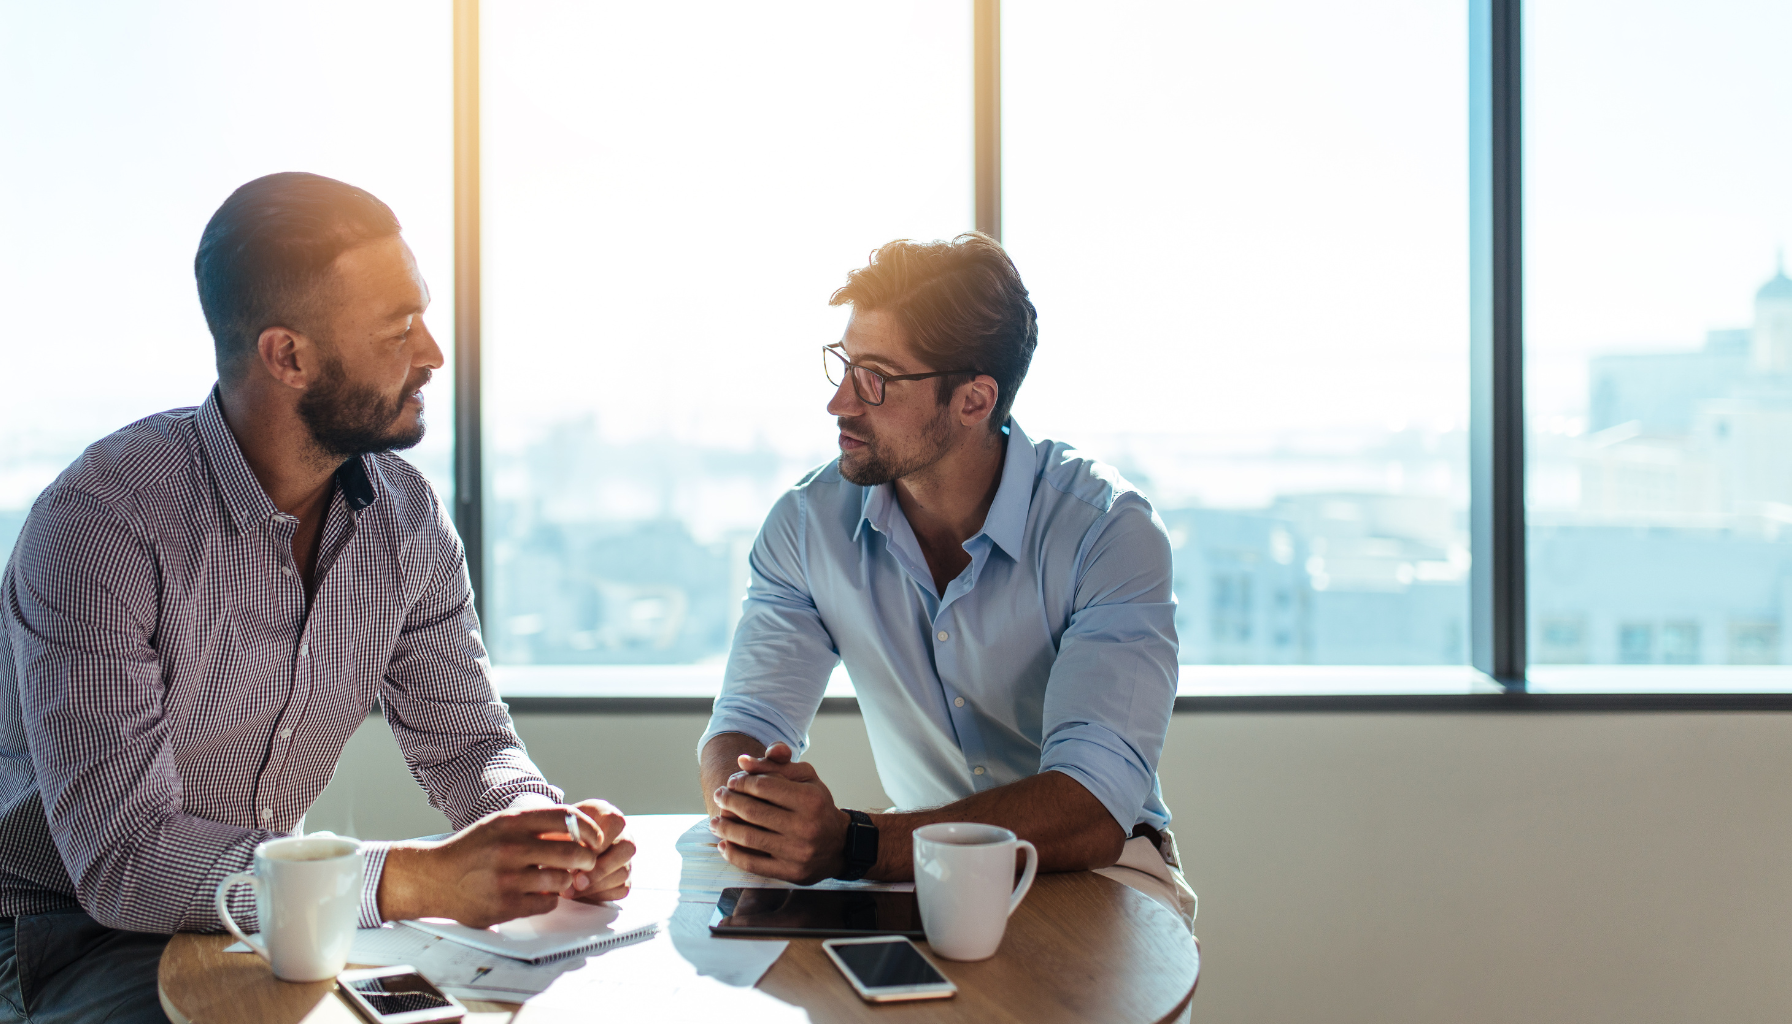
[[778, 819], [511, 864]]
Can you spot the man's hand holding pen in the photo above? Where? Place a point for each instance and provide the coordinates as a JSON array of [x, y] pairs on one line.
[[511, 864], [597, 825]]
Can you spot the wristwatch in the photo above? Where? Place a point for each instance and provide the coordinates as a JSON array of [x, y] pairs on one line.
[[861, 846]]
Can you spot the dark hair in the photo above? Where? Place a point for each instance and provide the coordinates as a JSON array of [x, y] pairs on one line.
[[266, 250], [960, 303]]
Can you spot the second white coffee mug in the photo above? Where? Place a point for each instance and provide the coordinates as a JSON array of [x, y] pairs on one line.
[[964, 880], [308, 897]]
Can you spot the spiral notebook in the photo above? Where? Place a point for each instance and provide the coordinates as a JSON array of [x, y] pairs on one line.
[[570, 929]]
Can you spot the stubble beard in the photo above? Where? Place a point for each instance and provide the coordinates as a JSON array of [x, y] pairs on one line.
[[347, 420], [874, 466]]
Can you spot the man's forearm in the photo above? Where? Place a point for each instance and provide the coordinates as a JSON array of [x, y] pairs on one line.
[[1072, 829], [720, 759]]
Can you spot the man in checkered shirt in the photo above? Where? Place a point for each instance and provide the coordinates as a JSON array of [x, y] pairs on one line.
[[201, 610]]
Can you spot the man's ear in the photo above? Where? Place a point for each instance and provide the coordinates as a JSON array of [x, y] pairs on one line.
[[288, 356], [978, 400]]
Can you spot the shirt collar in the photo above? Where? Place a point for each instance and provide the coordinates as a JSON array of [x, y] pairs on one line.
[[245, 500], [874, 508], [356, 483], [1006, 523]]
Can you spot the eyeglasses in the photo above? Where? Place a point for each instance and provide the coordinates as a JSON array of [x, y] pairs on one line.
[[866, 382]]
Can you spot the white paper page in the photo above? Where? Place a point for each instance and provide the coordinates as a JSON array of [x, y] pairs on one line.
[[645, 983], [466, 971], [738, 962], [685, 948]]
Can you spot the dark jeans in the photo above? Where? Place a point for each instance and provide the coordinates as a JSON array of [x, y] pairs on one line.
[[67, 968]]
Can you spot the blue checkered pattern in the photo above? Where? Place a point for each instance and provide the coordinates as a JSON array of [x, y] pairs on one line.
[[166, 701]]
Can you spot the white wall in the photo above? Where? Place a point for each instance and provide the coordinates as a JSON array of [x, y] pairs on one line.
[[1373, 867]]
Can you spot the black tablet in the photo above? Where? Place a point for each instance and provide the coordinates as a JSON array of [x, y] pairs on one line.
[[816, 913]]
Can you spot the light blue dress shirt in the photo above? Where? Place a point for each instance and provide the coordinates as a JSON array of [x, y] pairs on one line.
[[1054, 650]]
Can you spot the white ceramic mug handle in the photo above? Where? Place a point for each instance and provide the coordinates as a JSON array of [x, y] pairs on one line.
[[1026, 876], [240, 878]]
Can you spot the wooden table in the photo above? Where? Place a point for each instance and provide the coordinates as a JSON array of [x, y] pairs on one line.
[[1080, 948]]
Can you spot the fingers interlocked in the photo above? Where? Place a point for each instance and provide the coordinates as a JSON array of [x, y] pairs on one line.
[[778, 819]]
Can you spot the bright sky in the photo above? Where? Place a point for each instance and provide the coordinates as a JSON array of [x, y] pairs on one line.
[[1240, 217], [1235, 218], [1658, 178], [671, 199], [127, 124]]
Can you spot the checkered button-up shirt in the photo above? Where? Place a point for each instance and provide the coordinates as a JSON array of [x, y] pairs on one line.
[[166, 703]]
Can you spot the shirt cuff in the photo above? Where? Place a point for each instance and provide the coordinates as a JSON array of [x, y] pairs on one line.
[[1119, 782], [531, 800], [765, 723], [373, 867]]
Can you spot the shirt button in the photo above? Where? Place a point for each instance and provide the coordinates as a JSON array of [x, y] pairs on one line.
[[268, 812], [287, 569], [286, 734], [977, 770], [304, 649], [958, 702], [944, 636]]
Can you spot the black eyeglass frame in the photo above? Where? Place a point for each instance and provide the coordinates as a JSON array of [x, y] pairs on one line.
[[839, 351]]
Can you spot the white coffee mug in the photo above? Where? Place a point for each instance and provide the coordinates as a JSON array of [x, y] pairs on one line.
[[964, 879], [308, 898]]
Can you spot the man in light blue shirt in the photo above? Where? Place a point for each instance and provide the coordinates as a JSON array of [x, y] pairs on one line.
[[1004, 607]]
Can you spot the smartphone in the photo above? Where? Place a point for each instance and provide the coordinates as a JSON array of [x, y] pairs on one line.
[[398, 995], [888, 969]]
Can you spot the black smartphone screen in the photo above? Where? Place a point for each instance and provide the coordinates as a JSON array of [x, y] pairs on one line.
[[816, 912], [400, 993], [887, 964]]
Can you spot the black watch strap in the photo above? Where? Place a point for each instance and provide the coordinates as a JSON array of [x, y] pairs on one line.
[[861, 846]]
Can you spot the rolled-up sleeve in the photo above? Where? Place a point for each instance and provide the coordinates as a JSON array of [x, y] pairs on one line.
[[783, 654], [1113, 685], [457, 736]]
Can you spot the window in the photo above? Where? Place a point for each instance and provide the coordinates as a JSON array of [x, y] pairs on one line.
[[1248, 228], [1755, 643], [1636, 643], [1265, 329], [669, 201], [124, 132], [1658, 340]]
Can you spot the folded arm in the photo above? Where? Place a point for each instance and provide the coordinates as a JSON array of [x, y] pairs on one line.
[[776, 818], [1107, 709], [80, 612]]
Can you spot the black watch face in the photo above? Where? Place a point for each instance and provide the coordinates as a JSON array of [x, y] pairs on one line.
[[861, 847]]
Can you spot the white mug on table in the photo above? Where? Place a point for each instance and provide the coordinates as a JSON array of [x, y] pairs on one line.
[[964, 880], [308, 898]]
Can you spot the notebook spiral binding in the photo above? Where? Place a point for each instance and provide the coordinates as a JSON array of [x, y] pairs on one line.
[[604, 945]]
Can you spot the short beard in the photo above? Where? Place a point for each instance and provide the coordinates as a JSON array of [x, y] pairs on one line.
[[347, 419], [874, 468]]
